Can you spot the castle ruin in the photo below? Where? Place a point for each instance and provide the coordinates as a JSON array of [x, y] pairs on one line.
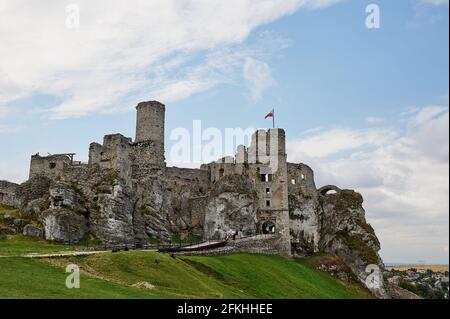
[[126, 194]]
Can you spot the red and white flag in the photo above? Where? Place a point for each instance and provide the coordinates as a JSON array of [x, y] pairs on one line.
[[270, 114]]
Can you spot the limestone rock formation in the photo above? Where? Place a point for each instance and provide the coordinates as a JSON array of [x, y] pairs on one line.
[[31, 230], [346, 234], [231, 207], [64, 226]]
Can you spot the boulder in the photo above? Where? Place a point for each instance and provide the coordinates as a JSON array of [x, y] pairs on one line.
[[32, 231]]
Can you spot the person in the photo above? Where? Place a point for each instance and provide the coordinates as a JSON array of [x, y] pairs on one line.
[[235, 235]]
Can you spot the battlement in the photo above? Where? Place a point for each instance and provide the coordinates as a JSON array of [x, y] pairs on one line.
[[267, 144]]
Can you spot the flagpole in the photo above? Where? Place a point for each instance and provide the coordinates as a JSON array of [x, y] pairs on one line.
[[273, 118]]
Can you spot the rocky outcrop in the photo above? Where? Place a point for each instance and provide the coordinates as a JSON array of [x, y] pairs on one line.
[[112, 221], [64, 226], [345, 233], [304, 222], [31, 230], [11, 225], [231, 207]]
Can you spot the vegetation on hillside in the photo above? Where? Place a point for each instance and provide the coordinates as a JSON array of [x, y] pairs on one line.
[[117, 275]]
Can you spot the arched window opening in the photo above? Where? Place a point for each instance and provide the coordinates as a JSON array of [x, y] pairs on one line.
[[268, 227]]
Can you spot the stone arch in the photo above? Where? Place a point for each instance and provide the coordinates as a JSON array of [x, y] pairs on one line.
[[325, 189], [268, 227]]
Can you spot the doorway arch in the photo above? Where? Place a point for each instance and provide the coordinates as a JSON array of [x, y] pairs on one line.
[[268, 227]]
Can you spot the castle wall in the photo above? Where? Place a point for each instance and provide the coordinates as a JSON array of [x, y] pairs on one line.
[[116, 154], [8, 193], [200, 176], [50, 166], [301, 176], [95, 153], [148, 153]]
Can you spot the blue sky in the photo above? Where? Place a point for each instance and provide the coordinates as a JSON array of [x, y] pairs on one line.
[[366, 108]]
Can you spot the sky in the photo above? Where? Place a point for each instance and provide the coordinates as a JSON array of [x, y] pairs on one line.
[[366, 108]]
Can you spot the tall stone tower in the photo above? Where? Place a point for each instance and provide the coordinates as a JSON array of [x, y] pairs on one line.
[[150, 121], [150, 133]]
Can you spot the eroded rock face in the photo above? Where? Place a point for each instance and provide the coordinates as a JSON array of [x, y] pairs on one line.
[[32, 231], [346, 234], [231, 207], [160, 210], [112, 222], [64, 226], [304, 222]]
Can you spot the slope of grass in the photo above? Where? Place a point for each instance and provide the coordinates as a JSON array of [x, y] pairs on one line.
[[172, 277], [30, 278], [18, 245], [264, 276], [113, 275]]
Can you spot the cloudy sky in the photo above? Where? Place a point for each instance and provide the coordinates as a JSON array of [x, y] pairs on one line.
[[366, 108]]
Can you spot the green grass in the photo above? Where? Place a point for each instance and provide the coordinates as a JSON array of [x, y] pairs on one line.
[[30, 278], [264, 276], [18, 245], [112, 275]]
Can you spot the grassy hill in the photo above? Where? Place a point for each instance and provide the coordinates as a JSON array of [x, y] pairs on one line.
[[116, 275]]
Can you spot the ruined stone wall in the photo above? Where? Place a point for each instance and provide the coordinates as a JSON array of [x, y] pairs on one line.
[[189, 175], [95, 153], [8, 193], [301, 176], [304, 212], [116, 154], [148, 153], [220, 169], [51, 166], [259, 244]]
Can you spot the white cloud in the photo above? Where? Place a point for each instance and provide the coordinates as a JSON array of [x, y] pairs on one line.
[[374, 120], [258, 76], [115, 57], [336, 140], [402, 174], [4, 111]]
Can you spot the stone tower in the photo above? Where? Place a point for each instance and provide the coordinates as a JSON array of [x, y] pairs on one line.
[[150, 122], [150, 133]]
